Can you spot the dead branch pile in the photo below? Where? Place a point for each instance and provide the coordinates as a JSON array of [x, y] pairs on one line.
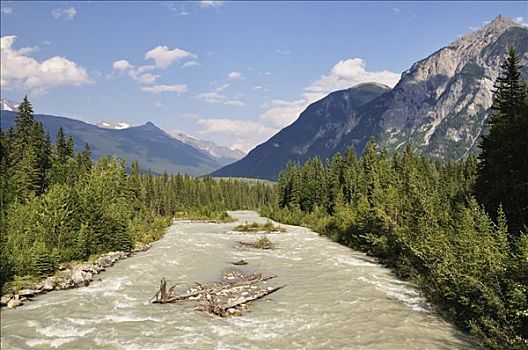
[[227, 297]]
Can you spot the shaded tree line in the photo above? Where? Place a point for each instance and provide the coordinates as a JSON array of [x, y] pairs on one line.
[[457, 229], [56, 205]]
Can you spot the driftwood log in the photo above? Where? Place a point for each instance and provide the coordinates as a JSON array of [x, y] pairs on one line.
[[239, 262], [227, 297]]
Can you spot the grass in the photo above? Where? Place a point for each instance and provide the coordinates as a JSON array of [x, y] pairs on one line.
[[263, 243], [256, 227]]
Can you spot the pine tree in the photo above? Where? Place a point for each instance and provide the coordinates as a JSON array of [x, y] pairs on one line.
[[24, 121], [509, 88], [503, 168], [61, 149], [69, 147]]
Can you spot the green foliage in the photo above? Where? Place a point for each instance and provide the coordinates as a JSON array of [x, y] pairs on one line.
[[57, 206], [20, 282], [503, 167], [420, 217], [256, 227], [44, 261], [263, 243]]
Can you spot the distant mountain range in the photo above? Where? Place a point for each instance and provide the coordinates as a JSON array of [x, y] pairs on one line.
[[152, 147], [440, 105], [211, 148]]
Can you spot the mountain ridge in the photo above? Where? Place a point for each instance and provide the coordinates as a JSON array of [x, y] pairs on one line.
[[440, 105], [152, 147]]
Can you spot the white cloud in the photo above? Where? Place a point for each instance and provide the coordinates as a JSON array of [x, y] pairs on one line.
[[210, 3], [122, 65], [257, 87], [147, 78], [21, 72], [282, 52], [345, 74], [281, 113], [211, 97], [171, 6], [190, 64], [218, 86], [395, 10], [65, 14], [520, 20], [234, 103], [5, 10], [156, 89], [243, 134], [164, 57], [267, 73], [137, 73], [234, 75]]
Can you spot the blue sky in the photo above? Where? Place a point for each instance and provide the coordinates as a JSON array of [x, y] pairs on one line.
[[231, 72]]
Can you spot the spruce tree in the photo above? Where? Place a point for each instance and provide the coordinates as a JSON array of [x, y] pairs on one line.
[[61, 149], [503, 168]]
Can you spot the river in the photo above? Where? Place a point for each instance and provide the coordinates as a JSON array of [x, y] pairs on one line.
[[335, 298]]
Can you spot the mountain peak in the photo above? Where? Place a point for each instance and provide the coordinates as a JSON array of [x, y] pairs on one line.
[[371, 84], [208, 147], [501, 22], [488, 32]]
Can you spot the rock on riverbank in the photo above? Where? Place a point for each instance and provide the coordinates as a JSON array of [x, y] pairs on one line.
[[78, 275]]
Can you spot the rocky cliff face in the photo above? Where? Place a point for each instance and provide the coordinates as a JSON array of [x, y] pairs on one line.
[[440, 105]]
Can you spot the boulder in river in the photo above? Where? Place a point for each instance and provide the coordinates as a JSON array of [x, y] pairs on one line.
[[78, 278], [49, 284], [66, 283], [14, 303], [28, 292], [105, 261], [5, 299]]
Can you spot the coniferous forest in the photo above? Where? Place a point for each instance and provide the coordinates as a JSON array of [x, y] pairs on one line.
[[457, 229], [57, 206]]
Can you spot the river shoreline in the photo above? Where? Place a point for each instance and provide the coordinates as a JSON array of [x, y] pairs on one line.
[[70, 275], [79, 274], [336, 299]]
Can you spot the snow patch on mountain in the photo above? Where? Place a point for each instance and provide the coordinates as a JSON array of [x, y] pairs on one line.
[[208, 147], [111, 125]]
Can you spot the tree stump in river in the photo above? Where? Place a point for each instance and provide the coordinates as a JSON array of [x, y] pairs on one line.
[[163, 296]]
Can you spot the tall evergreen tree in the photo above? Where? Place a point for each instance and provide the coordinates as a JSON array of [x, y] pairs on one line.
[[503, 167], [61, 149]]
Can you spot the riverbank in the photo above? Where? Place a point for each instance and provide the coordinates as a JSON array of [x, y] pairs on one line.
[[70, 275], [80, 274], [336, 299]]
